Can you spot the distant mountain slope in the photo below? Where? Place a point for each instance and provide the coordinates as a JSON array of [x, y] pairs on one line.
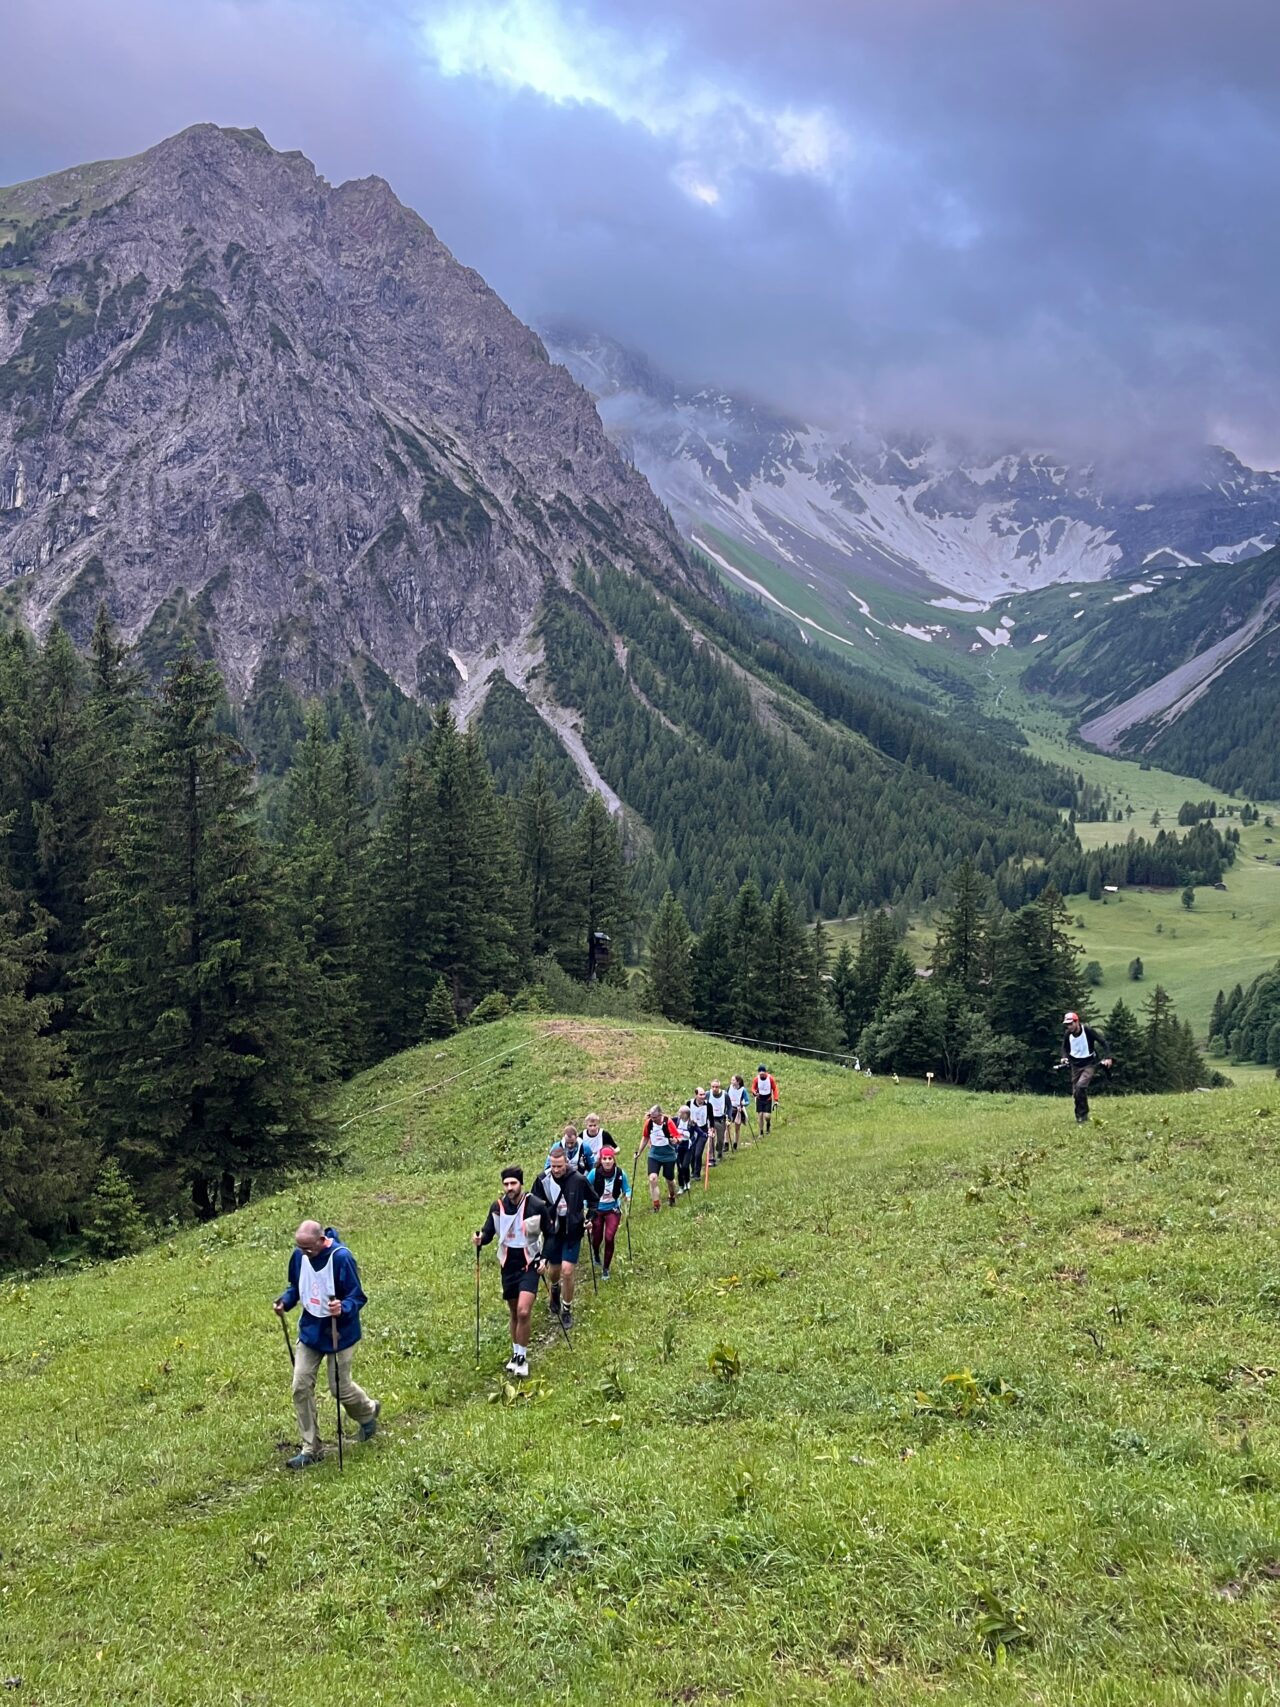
[[908, 515], [241, 403], [1183, 667]]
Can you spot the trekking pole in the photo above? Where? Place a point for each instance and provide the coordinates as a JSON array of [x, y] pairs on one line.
[[706, 1163], [591, 1252], [626, 1222], [477, 1303], [337, 1390], [288, 1343]]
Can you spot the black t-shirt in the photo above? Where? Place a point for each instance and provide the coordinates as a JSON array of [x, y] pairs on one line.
[[573, 1194]]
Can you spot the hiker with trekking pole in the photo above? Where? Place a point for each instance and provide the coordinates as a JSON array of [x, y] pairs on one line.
[[684, 1149], [613, 1189], [700, 1132], [516, 1222], [1084, 1050], [323, 1278], [564, 1199], [764, 1088]]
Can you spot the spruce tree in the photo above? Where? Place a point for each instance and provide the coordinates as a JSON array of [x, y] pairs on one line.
[[440, 1019], [476, 937], [46, 1161], [195, 1074], [56, 775], [405, 915], [670, 961], [959, 952], [1161, 1047], [1039, 979], [843, 984], [750, 966], [320, 892], [1124, 1040], [598, 881], [789, 976], [712, 968], [543, 852]]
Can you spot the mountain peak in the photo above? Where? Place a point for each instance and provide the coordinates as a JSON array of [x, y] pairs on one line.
[[239, 403]]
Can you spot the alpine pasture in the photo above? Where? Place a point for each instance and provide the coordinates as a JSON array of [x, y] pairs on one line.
[[930, 1398]]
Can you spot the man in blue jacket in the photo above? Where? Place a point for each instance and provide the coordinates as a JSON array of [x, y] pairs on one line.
[[323, 1278]]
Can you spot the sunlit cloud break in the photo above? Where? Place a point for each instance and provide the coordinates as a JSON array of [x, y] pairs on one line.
[[717, 131]]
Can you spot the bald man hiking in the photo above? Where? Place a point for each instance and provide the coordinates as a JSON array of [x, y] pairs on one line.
[[323, 1278]]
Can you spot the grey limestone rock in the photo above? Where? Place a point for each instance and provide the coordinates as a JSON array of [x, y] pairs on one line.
[[239, 402]]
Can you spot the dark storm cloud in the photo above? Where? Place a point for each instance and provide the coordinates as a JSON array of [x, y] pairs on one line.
[[1004, 219]]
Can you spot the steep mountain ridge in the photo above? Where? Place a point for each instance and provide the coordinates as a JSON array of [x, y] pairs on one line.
[[238, 402], [1181, 667], [913, 516]]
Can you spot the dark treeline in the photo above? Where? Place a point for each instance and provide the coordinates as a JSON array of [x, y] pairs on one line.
[[986, 1012], [181, 973], [193, 945], [1245, 1025]]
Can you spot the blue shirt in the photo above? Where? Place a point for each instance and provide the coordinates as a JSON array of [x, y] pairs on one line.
[[314, 1331]]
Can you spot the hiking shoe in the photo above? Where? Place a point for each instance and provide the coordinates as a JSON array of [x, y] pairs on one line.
[[517, 1365], [301, 1461], [370, 1428], [554, 1301], [604, 1274], [566, 1317]]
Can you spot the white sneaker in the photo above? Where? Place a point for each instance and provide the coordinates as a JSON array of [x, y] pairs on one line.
[[516, 1365]]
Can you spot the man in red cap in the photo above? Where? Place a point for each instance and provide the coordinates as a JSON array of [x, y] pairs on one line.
[[1083, 1049]]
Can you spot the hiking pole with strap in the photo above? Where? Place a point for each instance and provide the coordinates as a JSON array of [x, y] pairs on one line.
[[626, 1221], [337, 1386], [477, 1303], [288, 1343], [591, 1252]]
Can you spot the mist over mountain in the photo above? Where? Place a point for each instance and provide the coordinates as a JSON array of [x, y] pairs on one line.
[[915, 514]]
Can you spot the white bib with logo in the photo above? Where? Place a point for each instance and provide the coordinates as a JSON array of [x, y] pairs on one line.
[[315, 1286], [1079, 1046]]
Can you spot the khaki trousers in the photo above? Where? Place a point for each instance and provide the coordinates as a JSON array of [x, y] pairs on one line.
[[355, 1401]]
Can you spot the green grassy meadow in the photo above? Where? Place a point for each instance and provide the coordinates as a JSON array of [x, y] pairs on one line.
[[1003, 1428]]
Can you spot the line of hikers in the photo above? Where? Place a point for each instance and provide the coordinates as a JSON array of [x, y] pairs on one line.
[[582, 1193]]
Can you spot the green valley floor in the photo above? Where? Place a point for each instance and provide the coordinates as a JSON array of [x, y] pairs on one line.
[[932, 1398]]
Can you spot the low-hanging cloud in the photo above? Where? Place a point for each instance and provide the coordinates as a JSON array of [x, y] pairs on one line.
[[1009, 221]]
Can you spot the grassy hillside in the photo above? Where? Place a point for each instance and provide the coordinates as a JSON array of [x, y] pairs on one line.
[[1005, 1429]]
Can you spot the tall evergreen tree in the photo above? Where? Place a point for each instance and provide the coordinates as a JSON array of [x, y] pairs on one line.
[[670, 961], [405, 915], [750, 938], [1161, 1044], [543, 850], [476, 946], [959, 954], [598, 884], [55, 779], [1124, 1039], [789, 975], [712, 971], [194, 1071], [46, 1161], [1038, 980], [320, 892]]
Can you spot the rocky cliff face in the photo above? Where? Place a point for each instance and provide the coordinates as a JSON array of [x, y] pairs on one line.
[[239, 402]]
